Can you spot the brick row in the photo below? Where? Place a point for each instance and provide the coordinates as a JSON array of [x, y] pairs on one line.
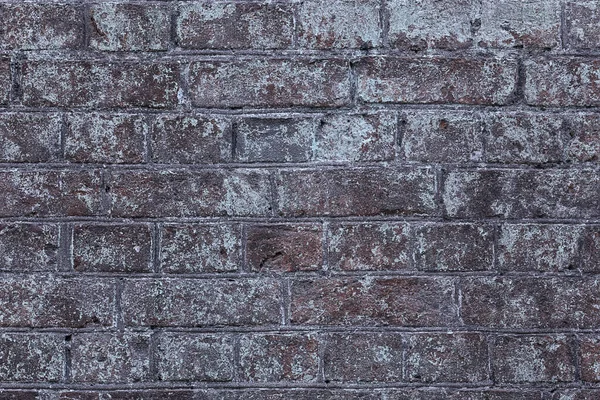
[[424, 358]]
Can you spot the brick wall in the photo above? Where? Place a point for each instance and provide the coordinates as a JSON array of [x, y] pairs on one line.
[[303, 200]]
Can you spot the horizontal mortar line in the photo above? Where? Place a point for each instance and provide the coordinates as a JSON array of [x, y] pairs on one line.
[[108, 220]]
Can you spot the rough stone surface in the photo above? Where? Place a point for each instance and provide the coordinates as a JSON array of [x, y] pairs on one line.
[[30, 137], [29, 247]]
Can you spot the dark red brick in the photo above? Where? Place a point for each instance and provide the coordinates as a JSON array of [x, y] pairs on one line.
[[589, 347], [284, 248], [201, 302], [356, 191], [447, 357], [99, 84], [229, 25], [400, 301], [288, 394], [30, 137], [5, 80], [150, 394], [465, 394], [369, 246], [530, 359], [590, 249], [363, 357], [436, 80], [31, 357], [270, 83], [47, 301], [112, 248], [581, 24], [279, 358], [29, 247], [583, 143]]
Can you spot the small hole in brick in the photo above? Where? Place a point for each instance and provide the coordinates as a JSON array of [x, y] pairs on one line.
[[443, 124], [68, 338], [107, 188]]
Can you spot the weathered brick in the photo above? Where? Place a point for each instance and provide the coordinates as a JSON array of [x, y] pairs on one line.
[[401, 301], [110, 357], [339, 24], [465, 394], [149, 394], [447, 357], [523, 138], [530, 359], [581, 24], [288, 394], [46, 301], [356, 191], [49, 193], [434, 136], [31, 357], [5, 80], [583, 143], [284, 248], [589, 347], [78, 395], [362, 357], [530, 302], [200, 302], [200, 248], [590, 249], [105, 138], [29, 137], [19, 395], [40, 26], [275, 139], [559, 193], [228, 25], [129, 27], [184, 139], [279, 358], [576, 394], [356, 137], [270, 83], [436, 80], [454, 247], [369, 246], [195, 357], [29, 247], [562, 81], [188, 193], [99, 84], [545, 248], [112, 248]]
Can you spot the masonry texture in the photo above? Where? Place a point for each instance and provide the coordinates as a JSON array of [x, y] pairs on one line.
[[300, 200]]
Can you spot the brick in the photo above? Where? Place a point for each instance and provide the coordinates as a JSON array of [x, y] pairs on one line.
[[279, 358], [583, 141], [99, 84], [363, 357], [523, 138], [5, 80], [506, 193], [356, 137], [466, 394], [429, 136], [270, 83], [78, 395], [183, 139], [112, 248], [29, 247], [200, 302], [545, 248], [110, 357], [576, 394], [434, 80], [41, 26], [590, 249], [278, 139], [18, 395], [49, 193], [149, 394], [562, 81], [447, 357], [454, 247], [529, 302], [356, 191], [31, 357], [186, 193], [515, 23], [284, 248], [129, 27], [46, 301], [195, 357], [581, 24], [105, 138], [531, 359], [396, 301], [29, 137], [288, 394], [369, 246], [339, 24], [200, 248], [228, 25], [589, 347]]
